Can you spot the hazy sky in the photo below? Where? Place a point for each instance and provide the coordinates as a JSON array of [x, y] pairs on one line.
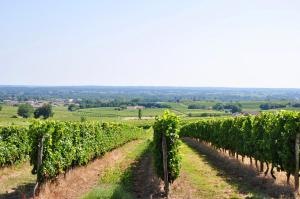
[[242, 43]]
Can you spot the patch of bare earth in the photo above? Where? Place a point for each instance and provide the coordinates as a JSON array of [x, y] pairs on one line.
[[182, 188], [16, 181], [243, 174], [146, 183], [80, 180], [136, 118]]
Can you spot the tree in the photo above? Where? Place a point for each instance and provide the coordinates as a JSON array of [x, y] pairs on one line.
[[267, 106], [73, 107], [235, 109], [218, 107], [140, 114], [45, 111], [0, 107], [25, 110], [196, 106]]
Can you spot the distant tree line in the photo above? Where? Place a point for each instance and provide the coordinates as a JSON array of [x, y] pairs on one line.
[[73, 107], [196, 106], [27, 110], [296, 105], [233, 108], [149, 94], [267, 106], [205, 114], [99, 103], [116, 103], [154, 105]]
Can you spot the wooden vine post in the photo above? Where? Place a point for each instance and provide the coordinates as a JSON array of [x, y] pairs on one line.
[[165, 163], [39, 161], [296, 175]]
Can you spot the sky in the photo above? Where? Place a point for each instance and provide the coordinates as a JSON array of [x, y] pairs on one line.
[[205, 43]]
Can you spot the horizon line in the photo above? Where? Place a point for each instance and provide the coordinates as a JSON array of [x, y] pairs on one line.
[[145, 86]]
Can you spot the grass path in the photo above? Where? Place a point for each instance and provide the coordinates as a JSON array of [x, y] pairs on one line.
[[199, 179], [81, 180], [16, 181], [206, 173], [117, 181]]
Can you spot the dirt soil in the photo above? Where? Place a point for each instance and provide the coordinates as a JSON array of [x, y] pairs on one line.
[[182, 188], [80, 180], [146, 184], [16, 181], [240, 173]]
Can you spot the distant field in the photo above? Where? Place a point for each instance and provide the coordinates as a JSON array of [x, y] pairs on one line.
[[8, 113], [6, 116], [99, 114]]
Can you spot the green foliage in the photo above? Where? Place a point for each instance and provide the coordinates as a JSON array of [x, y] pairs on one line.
[[218, 107], [233, 108], [73, 107], [267, 106], [140, 114], [14, 145], [167, 124], [25, 110], [0, 107], [266, 137], [196, 106], [45, 111], [83, 119], [68, 144]]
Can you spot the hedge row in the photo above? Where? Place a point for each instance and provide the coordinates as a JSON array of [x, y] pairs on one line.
[[268, 137], [167, 125], [70, 144], [14, 145]]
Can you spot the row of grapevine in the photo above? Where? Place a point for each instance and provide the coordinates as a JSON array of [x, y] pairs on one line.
[[268, 137], [70, 144], [14, 145], [166, 128]]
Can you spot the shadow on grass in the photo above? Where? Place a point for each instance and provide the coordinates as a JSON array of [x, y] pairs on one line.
[[134, 182], [146, 183], [244, 177], [140, 179], [22, 191]]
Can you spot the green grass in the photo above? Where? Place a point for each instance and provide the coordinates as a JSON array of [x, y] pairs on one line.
[[103, 114], [205, 179], [202, 103], [117, 181], [130, 116], [6, 116], [97, 114], [17, 178]]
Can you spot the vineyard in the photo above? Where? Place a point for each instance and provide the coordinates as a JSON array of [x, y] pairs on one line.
[[166, 148], [54, 148], [269, 138], [149, 100], [67, 144], [14, 145]]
